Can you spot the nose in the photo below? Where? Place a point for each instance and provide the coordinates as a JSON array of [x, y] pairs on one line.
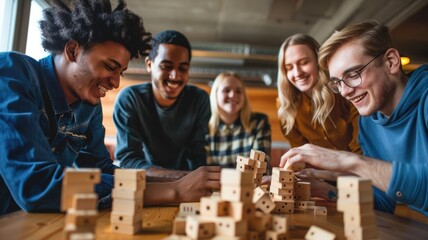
[[115, 81], [173, 74], [297, 70], [345, 90]]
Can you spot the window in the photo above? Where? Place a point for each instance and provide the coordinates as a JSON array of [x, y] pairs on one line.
[[7, 23], [34, 38]]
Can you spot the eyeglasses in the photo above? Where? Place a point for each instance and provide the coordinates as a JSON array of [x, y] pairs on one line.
[[351, 79]]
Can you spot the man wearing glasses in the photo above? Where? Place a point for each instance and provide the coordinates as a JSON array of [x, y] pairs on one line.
[[366, 70]]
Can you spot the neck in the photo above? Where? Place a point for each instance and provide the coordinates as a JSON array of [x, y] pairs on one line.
[[63, 73], [397, 91], [229, 119]]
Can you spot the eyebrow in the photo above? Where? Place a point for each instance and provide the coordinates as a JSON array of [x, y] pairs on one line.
[[351, 69], [170, 62], [116, 63]]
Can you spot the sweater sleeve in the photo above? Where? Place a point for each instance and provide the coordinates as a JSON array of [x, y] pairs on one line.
[[409, 184], [129, 149]]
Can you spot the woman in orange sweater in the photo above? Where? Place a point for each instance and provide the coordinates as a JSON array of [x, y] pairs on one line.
[[308, 111]]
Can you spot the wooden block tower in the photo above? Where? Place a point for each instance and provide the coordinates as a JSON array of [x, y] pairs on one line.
[[128, 195], [80, 202], [282, 190], [356, 202]]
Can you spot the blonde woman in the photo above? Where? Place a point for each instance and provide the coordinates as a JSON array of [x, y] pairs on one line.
[[233, 128], [309, 112]]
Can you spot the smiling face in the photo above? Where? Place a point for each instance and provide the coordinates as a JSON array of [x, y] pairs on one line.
[[376, 92], [95, 71], [170, 73], [301, 67], [230, 97]]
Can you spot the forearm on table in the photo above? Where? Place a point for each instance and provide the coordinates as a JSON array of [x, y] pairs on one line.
[[160, 194], [378, 171], [158, 174]]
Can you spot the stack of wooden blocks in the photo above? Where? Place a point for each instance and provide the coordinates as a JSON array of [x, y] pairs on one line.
[[356, 202], [80, 202], [282, 190], [128, 195], [255, 165]]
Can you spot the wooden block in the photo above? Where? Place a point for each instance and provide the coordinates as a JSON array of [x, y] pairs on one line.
[[302, 196], [81, 176], [122, 193], [130, 174], [257, 155], [260, 222], [317, 233], [349, 196], [356, 208], [126, 206], [297, 167], [68, 191], [82, 236], [366, 232], [84, 201], [300, 205], [240, 211], [272, 235], [177, 237], [218, 237], [126, 218], [320, 210], [245, 161], [237, 193], [264, 204], [279, 224], [261, 166], [236, 178], [123, 228], [244, 168], [252, 235], [285, 185], [189, 209], [354, 183], [179, 226], [353, 218], [279, 191], [286, 206], [214, 207], [81, 218], [302, 187], [276, 197], [282, 176], [129, 185], [229, 227], [198, 228]]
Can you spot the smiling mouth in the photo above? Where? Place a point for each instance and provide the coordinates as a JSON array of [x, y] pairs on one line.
[[103, 90], [358, 98], [173, 84]]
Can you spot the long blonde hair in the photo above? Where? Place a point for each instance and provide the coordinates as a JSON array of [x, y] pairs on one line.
[[290, 97], [245, 113]]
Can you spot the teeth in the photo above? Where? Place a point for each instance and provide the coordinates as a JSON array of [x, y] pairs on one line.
[[173, 84], [358, 98], [103, 90]]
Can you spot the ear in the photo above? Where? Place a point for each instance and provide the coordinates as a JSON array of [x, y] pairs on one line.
[[148, 64], [70, 50], [393, 60]]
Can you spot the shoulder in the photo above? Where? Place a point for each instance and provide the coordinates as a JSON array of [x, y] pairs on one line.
[[135, 90], [16, 60], [259, 117], [195, 91]]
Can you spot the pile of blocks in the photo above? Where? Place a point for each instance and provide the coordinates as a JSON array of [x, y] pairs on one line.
[[128, 195], [80, 202], [255, 164], [356, 202]]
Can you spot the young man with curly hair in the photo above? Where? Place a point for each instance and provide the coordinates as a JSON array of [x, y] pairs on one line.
[[50, 111]]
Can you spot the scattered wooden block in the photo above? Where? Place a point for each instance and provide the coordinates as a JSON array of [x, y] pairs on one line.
[[81, 176], [122, 193], [279, 224], [126, 218], [214, 207], [297, 167], [245, 161], [130, 174], [354, 183], [123, 228], [84, 201], [229, 227], [189, 209], [260, 222], [320, 210], [237, 193], [126, 206], [317, 233], [272, 235], [197, 228], [286, 206], [179, 226], [360, 233], [257, 155], [240, 211]]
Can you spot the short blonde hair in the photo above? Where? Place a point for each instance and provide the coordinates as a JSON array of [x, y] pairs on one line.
[[245, 114], [374, 37], [289, 96]]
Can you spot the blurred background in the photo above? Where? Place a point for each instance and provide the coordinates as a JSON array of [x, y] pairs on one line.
[[236, 35]]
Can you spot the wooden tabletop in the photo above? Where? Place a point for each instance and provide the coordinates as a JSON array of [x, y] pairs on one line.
[[157, 224]]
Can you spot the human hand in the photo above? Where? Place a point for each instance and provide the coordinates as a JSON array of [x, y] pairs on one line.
[[319, 174], [322, 189], [319, 157], [198, 183]]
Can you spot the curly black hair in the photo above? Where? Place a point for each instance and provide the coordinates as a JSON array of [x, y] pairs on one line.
[[93, 21], [169, 37]]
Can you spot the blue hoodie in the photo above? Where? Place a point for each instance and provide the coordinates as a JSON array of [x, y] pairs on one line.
[[403, 140]]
